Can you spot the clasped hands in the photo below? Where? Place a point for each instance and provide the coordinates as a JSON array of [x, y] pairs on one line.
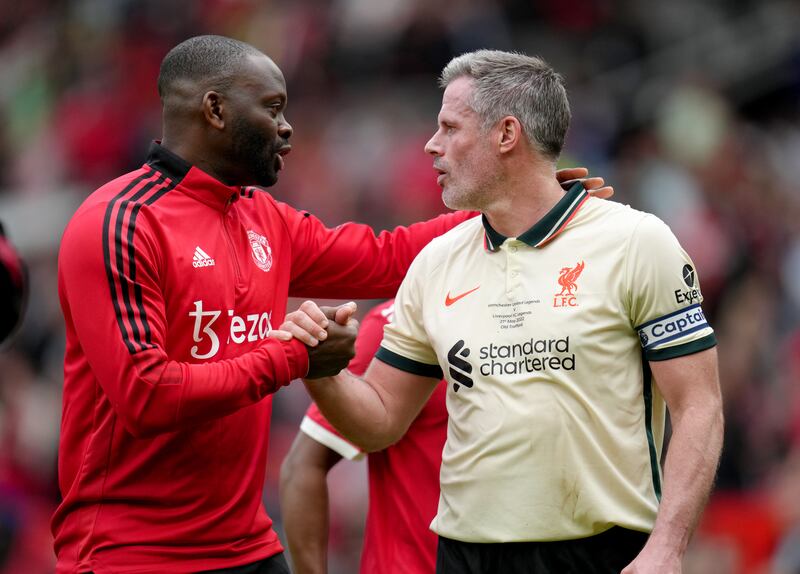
[[329, 333]]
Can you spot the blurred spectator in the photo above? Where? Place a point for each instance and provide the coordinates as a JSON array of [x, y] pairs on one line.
[[13, 287]]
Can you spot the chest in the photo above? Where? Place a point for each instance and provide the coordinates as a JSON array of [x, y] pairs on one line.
[[522, 303], [224, 279]]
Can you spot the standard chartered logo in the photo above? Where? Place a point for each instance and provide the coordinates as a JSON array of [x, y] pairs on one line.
[[533, 355], [530, 356], [248, 328]]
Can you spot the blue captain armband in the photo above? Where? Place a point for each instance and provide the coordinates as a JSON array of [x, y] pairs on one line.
[[656, 333]]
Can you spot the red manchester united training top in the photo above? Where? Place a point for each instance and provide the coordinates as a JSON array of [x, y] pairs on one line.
[[170, 283], [403, 479]]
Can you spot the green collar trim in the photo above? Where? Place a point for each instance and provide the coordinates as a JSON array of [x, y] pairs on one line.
[[553, 222]]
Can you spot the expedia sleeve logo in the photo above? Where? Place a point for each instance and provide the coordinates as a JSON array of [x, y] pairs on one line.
[[692, 294], [671, 327]]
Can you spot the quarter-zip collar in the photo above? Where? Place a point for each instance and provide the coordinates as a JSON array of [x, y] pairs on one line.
[[192, 180]]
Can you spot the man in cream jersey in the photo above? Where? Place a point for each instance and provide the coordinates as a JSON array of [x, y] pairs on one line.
[[565, 326]]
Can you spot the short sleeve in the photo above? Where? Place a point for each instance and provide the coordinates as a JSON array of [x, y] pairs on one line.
[[406, 345], [665, 296]]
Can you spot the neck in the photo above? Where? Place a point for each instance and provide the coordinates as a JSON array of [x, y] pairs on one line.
[[524, 200], [201, 159]]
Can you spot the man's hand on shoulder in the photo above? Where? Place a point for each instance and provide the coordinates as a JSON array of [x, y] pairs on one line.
[[594, 185]]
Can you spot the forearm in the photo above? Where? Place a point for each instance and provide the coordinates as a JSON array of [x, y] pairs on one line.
[[153, 395], [357, 409], [689, 471], [304, 507]]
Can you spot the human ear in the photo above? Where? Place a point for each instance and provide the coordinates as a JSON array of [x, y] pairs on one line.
[[509, 134], [213, 108]]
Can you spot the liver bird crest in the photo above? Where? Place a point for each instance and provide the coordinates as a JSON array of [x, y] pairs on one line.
[[567, 277]]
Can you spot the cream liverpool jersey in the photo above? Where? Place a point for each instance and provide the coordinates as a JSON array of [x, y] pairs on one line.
[[555, 427]]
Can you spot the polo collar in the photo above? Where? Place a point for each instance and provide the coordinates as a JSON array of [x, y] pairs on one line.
[[192, 180], [548, 227]]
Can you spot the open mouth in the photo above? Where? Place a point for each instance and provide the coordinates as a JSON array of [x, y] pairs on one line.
[[441, 175], [279, 161]]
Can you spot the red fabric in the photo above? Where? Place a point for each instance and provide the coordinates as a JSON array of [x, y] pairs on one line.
[[169, 370], [748, 522], [403, 479]]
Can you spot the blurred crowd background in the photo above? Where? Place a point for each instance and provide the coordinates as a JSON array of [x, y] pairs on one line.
[[690, 108]]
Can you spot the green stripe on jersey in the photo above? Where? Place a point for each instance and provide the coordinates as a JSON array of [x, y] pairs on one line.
[[408, 365]]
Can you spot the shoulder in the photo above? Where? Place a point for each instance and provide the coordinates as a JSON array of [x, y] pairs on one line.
[[620, 221], [94, 210], [106, 216], [441, 248], [615, 215]]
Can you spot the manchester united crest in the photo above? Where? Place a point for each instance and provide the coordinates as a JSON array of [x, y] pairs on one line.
[[262, 252]]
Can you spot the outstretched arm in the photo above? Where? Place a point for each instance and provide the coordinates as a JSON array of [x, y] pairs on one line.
[[690, 386], [352, 262], [373, 412]]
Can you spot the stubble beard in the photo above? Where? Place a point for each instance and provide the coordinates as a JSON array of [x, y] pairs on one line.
[[474, 197], [251, 148]]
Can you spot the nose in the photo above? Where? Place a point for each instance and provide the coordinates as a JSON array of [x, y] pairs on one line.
[[432, 147], [285, 129]]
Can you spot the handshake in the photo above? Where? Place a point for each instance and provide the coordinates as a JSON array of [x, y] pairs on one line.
[[328, 332]]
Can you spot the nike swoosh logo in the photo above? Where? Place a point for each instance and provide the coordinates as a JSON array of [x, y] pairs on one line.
[[450, 300]]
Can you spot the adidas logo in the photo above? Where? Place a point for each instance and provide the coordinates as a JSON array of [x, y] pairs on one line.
[[201, 259]]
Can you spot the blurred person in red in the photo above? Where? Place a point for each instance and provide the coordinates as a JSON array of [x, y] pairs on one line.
[[13, 287], [403, 481], [171, 278]]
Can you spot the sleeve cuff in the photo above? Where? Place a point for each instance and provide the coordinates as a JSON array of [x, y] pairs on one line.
[[330, 439], [297, 358], [409, 365], [689, 348]]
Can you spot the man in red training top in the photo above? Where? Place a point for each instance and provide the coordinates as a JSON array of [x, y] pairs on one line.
[[172, 279]]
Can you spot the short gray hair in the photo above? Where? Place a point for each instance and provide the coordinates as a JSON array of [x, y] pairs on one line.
[[513, 84]]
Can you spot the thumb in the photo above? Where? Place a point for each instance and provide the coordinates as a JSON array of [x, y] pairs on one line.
[[344, 312]]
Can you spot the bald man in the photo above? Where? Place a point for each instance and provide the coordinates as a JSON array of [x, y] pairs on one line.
[[171, 279]]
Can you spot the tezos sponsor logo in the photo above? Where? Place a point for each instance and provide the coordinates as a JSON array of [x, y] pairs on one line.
[[567, 278], [240, 329], [262, 252]]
